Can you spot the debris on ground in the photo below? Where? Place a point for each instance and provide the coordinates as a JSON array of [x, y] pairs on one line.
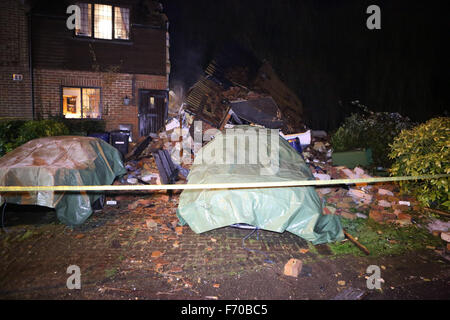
[[293, 267]]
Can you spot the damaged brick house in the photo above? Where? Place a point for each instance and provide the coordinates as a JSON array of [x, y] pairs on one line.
[[113, 67]]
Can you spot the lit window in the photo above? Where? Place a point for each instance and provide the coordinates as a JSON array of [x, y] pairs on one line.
[[102, 21], [102, 26], [121, 23], [81, 103], [83, 26]]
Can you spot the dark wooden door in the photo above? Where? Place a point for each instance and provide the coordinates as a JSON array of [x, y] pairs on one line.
[[152, 111]]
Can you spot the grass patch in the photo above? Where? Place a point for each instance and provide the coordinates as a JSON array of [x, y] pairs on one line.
[[110, 272], [26, 235], [383, 239]]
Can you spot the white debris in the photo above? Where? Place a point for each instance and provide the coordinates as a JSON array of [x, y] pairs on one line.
[[132, 180], [445, 236], [438, 225], [174, 123], [322, 176], [385, 192]]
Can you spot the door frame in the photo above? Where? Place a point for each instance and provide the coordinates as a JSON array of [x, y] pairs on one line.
[[165, 93]]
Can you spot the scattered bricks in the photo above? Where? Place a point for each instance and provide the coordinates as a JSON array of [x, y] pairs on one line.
[[329, 210], [445, 236], [122, 198], [392, 199], [358, 171], [323, 190], [360, 196], [319, 146], [176, 269], [179, 230], [385, 192], [436, 233], [293, 267], [145, 202], [384, 203], [156, 254], [344, 205], [404, 216], [382, 216], [347, 199], [150, 223], [390, 216], [348, 215], [160, 261], [376, 215], [163, 198], [321, 176], [399, 207], [133, 205], [142, 202], [349, 173]]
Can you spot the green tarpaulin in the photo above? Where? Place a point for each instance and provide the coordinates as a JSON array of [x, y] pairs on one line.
[[65, 160], [294, 209]]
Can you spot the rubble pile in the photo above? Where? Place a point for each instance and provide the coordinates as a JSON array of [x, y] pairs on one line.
[[380, 202]]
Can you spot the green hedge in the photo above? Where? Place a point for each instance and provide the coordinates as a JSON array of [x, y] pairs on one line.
[[82, 127], [14, 133], [374, 130], [423, 150]]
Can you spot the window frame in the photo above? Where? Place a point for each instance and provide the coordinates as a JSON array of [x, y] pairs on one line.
[[81, 102], [113, 17]]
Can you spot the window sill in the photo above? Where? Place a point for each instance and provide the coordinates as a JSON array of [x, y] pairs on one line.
[[113, 41]]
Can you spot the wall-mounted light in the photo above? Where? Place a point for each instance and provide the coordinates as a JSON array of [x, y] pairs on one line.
[[126, 101]]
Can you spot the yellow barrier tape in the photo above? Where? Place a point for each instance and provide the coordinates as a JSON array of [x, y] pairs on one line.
[[244, 185]]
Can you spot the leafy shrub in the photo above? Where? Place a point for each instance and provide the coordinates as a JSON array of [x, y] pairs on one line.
[[82, 127], [424, 150], [374, 130], [14, 133], [9, 130]]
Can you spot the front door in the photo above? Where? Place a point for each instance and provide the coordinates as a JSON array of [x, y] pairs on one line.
[[152, 111]]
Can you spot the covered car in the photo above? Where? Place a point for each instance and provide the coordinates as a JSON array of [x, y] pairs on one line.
[[60, 161], [294, 209]]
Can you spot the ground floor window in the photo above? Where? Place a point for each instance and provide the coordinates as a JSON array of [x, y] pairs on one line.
[[81, 103]]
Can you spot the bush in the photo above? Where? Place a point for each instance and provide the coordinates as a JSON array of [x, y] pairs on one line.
[[8, 134], [374, 130], [424, 150], [14, 133], [82, 127]]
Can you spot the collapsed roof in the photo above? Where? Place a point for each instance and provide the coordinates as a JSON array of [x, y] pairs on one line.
[[235, 75]]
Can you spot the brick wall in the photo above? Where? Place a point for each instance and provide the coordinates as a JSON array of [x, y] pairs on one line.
[[15, 96], [114, 88]]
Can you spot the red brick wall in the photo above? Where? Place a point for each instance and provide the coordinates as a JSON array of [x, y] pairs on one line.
[[15, 96], [114, 88]]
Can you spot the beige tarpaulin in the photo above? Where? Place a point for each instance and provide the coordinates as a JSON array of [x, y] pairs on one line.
[[65, 160]]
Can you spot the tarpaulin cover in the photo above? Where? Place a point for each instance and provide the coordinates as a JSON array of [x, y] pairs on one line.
[[65, 160], [295, 209]]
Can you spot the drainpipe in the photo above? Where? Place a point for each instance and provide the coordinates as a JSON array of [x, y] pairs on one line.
[[30, 63]]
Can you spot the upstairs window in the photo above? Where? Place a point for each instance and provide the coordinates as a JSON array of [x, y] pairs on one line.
[[83, 26], [103, 22]]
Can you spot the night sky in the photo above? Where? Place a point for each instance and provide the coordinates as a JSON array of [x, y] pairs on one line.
[[324, 51]]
